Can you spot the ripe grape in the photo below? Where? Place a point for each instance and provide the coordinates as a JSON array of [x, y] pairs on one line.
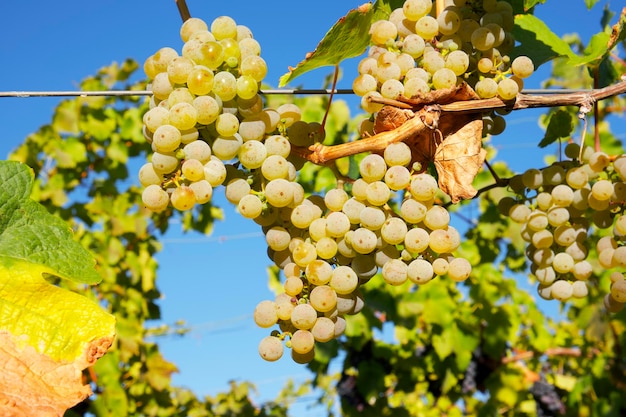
[[271, 348]]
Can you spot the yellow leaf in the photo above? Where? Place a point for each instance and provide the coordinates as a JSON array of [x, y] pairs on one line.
[[48, 335]]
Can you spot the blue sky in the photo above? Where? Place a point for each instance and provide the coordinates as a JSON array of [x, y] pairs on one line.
[[211, 282]]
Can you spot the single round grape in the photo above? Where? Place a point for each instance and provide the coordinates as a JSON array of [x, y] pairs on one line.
[[602, 190], [148, 176], [440, 266], [302, 215], [397, 153], [318, 272], [563, 263], [271, 348], [393, 231], [191, 26], [458, 62], [483, 39], [338, 224], [250, 206], [413, 211], [579, 289], [303, 316], [383, 31], [304, 253], [433, 61], [323, 298], [414, 9], [156, 117], [363, 240], [343, 280], [254, 66], [183, 198], [542, 239], [208, 109], [224, 27], [416, 240], [427, 27], [485, 65], [302, 341], [561, 290], [278, 238], [444, 78], [377, 193], [372, 218], [508, 89], [391, 89], [486, 88], [546, 275], [444, 240], [459, 269], [155, 198], [368, 105], [236, 189], [437, 217], [413, 45], [265, 314], [420, 271], [395, 272], [363, 84], [198, 150], [582, 270], [423, 187], [293, 285], [522, 66], [164, 163], [335, 199], [166, 138], [183, 116], [247, 87], [372, 167], [449, 21], [214, 172], [323, 330], [193, 170]]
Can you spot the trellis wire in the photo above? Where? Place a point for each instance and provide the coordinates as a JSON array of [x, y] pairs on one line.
[[295, 91]]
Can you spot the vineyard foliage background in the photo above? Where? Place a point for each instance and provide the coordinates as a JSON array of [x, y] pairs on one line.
[[408, 353]]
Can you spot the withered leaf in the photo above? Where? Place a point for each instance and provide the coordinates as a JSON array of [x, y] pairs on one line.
[[452, 141]]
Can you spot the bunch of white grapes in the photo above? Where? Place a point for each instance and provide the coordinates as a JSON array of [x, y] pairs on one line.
[[414, 52], [205, 106], [557, 207], [208, 126], [328, 247]]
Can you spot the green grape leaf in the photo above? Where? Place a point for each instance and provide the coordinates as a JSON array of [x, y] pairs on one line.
[[590, 3], [538, 42], [560, 126], [28, 233], [601, 44], [48, 335], [349, 37], [529, 4]]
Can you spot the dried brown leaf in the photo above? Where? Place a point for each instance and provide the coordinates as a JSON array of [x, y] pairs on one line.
[[453, 141], [36, 385]]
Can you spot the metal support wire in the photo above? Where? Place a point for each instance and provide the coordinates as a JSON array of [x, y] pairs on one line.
[[293, 91]]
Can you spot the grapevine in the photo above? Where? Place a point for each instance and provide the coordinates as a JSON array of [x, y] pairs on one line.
[[209, 126]]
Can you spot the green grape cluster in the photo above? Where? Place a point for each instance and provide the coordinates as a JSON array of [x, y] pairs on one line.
[[328, 247], [558, 208], [205, 106], [414, 53]]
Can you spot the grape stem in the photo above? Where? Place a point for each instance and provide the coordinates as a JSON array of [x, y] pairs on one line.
[[183, 10], [321, 154]]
